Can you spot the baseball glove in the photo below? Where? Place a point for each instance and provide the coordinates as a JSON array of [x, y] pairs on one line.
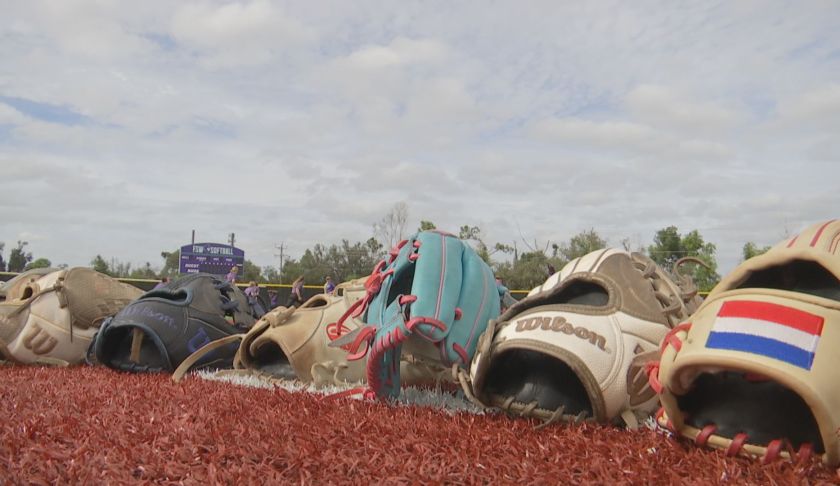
[[158, 331], [754, 371], [434, 295], [13, 289], [292, 344], [575, 349], [52, 318]]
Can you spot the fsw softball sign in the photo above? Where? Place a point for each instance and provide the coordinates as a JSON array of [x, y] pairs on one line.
[[213, 258]]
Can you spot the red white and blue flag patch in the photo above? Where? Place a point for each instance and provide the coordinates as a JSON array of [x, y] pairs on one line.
[[767, 329]]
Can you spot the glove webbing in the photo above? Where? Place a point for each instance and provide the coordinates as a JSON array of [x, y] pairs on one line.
[[672, 303], [337, 330]]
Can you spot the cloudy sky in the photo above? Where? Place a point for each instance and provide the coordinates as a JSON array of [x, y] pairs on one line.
[[125, 125]]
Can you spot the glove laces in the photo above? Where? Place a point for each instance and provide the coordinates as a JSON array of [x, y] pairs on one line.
[[373, 285], [672, 296]]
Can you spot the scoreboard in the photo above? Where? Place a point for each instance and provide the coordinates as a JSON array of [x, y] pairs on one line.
[[213, 258]]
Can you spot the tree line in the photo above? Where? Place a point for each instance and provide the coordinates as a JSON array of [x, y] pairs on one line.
[[519, 267]]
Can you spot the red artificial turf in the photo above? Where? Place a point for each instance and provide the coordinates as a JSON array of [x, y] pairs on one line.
[[92, 426]]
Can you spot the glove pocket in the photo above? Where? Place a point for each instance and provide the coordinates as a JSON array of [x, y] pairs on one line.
[[555, 359]]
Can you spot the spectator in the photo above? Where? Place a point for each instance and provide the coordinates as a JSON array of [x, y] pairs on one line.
[[296, 296], [272, 299], [505, 299], [231, 276], [253, 294], [163, 283], [329, 286]]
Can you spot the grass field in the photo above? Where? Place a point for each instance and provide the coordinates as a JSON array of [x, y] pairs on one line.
[[94, 426]]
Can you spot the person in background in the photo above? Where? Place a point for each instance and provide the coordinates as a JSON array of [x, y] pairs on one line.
[[163, 283], [272, 299], [329, 286], [253, 294], [505, 299], [231, 276], [296, 296], [501, 285]]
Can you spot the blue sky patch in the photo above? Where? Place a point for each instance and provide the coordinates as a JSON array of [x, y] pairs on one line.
[[46, 112], [5, 132], [165, 42], [214, 128]]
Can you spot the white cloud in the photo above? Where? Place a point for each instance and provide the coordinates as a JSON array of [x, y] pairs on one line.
[[401, 52], [820, 107], [604, 134], [93, 31], [238, 33], [10, 116], [663, 107], [629, 138]]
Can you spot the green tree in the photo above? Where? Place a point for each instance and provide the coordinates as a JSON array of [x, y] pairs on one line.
[[751, 249], [100, 265], [39, 263], [579, 245], [342, 262], [669, 246], [348, 261], [120, 269], [144, 272], [171, 263], [426, 226], [530, 269], [525, 272], [270, 274], [18, 257], [375, 250], [473, 233], [312, 266], [2, 262], [251, 272]]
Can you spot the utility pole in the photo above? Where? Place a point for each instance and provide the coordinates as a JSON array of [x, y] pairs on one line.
[[280, 247], [232, 239]]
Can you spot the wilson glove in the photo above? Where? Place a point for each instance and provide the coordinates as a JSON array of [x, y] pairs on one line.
[[159, 330], [576, 347], [52, 318]]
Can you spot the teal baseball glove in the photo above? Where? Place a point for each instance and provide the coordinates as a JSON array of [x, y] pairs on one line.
[[434, 295]]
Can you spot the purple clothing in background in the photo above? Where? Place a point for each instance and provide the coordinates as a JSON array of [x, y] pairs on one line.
[[252, 292]]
